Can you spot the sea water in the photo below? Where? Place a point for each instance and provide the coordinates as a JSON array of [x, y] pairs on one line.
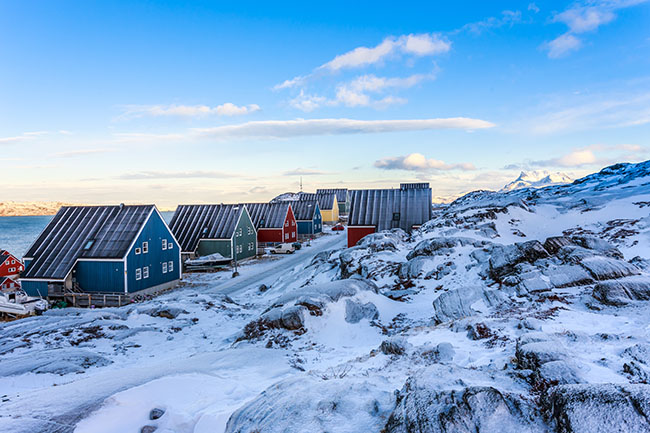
[[17, 233]]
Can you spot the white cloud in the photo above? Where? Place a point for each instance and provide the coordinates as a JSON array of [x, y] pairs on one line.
[[507, 18], [581, 18], [416, 45], [12, 140], [533, 7], [418, 162], [562, 45], [304, 172], [227, 109], [148, 175], [81, 152], [306, 102], [597, 154], [307, 127]]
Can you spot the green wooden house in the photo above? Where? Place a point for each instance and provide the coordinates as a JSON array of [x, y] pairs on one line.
[[207, 229]]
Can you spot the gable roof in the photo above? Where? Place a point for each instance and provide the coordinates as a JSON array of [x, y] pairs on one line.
[[377, 207], [268, 215], [304, 210], [68, 237], [191, 223], [341, 193], [3, 257], [325, 200], [5, 280]]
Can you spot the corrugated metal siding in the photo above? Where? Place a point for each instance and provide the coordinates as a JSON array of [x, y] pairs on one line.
[[325, 201], [34, 288], [304, 210], [305, 227], [271, 214], [62, 242], [153, 232], [376, 207], [211, 246], [419, 185], [341, 193], [99, 276], [209, 221]]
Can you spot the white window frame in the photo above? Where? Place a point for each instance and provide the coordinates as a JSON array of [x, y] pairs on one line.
[[164, 267], [145, 272], [138, 251], [164, 244], [170, 245], [170, 266], [286, 236], [138, 274], [145, 247]]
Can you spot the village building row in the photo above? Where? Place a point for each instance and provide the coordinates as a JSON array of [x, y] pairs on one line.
[[327, 203], [373, 210], [109, 249], [342, 198]]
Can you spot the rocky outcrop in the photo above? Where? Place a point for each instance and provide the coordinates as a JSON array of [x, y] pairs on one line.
[[457, 303], [589, 408], [623, 291]]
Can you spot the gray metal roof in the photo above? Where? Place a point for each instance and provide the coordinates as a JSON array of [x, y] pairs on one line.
[[191, 223], [419, 185], [84, 232], [341, 193], [304, 210], [325, 200], [268, 215], [3, 257], [390, 208]]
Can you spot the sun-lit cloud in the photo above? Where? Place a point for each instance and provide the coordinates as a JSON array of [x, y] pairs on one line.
[[562, 45], [596, 155], [419, 162], [227, 109], [310, 127]]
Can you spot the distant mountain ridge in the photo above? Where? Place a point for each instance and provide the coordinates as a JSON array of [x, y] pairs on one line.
[[31, 208], [537, 179]]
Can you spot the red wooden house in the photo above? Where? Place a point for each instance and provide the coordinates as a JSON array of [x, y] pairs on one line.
[[274, 222], [7, 283], [10, 265]]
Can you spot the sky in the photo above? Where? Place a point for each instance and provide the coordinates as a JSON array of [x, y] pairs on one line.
[[206, 102]]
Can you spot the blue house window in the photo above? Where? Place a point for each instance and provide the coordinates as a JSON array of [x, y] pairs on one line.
[[170, 268], [138, 274]]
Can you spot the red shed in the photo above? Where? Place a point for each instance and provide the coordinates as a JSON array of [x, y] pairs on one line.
[[275, 222], [7, 283], [10, 265]]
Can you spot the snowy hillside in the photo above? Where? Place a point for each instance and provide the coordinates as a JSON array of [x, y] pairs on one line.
[[537, 179], [521, 311]]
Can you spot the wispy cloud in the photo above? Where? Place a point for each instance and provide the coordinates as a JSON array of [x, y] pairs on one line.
[[149, 175], [419, 162], [507, 18], [583, 17], [12, 140], [304, 172], [596, 155], [31, 135], [81, 152], [412, 45], [307, 127], [227, 109]]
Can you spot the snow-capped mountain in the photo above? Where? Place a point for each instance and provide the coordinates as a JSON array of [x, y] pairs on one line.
[[537, 179], [517, 311]]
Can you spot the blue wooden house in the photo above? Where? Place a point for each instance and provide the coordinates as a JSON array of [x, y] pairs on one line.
[[308, 217], [106, 249]]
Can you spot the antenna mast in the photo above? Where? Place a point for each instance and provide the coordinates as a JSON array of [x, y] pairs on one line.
[[300, 183]]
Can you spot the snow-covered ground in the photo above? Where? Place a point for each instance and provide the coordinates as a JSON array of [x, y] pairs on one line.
[[518, 311]]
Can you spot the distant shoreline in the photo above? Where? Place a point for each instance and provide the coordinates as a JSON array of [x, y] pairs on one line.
[[19, 209]]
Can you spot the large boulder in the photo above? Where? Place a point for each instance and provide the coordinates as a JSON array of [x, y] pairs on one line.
[[600, 408], [442, 246], [606, 268], [355, 311], [504, 258], [315, 404], [424, 409], [623, 291], [458, 303]]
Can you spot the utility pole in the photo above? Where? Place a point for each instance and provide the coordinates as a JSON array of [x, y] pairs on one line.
[[300, 183]]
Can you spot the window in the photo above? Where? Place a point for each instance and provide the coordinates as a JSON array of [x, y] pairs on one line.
[[89, 244], [137, 251], [13, 262], [286, 236], [164, 244], [286, 223], [396, 216], [250, 231], [170, 245], [138, 274], [170, 267], [164, 267], [12, 269], [239, 231], [250, 246], [145, 247], [145, 272]]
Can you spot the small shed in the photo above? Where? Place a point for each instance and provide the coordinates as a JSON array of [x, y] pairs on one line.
[[327, 203], [342, 198], [308, 217], [373, 210], [206, 229], [8, 284], [275, 222], [10, 265], [105, 249]]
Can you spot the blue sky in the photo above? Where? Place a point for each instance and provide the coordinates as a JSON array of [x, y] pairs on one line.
[[169, 102]]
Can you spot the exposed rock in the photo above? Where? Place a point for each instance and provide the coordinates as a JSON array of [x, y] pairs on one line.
[[389, 240], [605, 268], [156, 413], [423, 409], [558, 372], [640, 352], [589, 408], [504, 258], [413, 268], [148, 429], [621, 292], [263, 288], [445, 352], [458, 303], [532, 355], [394, 346], [166, 312], [442, 246], [356, 311], [597, 244], [569, 276], [554, 243]]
